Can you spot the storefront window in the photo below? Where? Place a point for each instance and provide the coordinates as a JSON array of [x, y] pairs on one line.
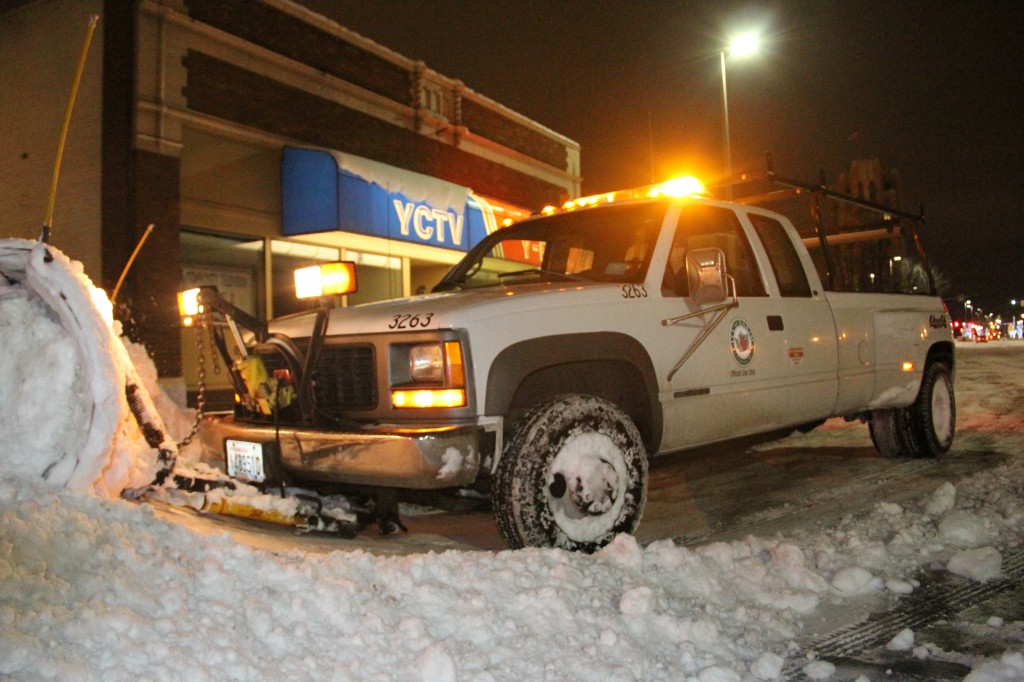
[[235, 266], [379, 277]]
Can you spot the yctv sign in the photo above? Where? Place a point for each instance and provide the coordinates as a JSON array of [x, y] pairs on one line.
[[429, 225], [324, 190]]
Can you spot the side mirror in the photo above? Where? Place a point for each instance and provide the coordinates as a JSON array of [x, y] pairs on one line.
[[705, 270]]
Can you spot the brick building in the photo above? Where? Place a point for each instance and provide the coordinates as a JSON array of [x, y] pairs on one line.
[[257, 137]]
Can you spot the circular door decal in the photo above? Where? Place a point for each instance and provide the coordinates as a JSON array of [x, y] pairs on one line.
[[741, 340]]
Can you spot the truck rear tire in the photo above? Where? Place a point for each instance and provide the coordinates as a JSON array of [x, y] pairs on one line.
[[891, 433], [933, 414], [573, 475], [926, 427]]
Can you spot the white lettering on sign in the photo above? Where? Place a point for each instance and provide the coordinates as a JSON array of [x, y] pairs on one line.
[[427, 223], [404, 212], [424, 232]]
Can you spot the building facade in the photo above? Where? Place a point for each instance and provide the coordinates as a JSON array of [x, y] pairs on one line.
[[257, 136]]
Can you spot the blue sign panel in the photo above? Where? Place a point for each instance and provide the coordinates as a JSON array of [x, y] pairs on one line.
[[324, 191]]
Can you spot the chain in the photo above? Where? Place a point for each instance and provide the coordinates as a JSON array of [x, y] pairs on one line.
[[213, 356], [201, 395]]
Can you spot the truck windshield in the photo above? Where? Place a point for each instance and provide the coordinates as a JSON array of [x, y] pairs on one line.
[[603, 244]]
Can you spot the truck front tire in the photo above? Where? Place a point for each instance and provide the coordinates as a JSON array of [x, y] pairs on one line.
[[573, 475]]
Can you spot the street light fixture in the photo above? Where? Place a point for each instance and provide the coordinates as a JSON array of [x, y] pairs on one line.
[[743, 45]]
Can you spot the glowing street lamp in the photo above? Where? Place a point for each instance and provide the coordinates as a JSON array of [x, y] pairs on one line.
[[743, 45]]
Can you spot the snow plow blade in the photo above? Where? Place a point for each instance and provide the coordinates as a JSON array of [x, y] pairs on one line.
[[230, 507]]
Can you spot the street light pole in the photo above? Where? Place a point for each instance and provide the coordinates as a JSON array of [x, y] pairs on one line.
[[740, 46], [725, 112]]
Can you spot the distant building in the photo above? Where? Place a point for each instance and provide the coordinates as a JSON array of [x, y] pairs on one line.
[[258, 136], [867, 180], [876, 264]]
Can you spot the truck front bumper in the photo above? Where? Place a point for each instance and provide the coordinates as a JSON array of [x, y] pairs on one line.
[[392, 457]]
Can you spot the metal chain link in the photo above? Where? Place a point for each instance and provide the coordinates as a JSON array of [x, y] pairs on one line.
[[201, 395], [214, 357]]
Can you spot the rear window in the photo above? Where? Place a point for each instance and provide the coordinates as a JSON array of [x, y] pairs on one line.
[[789, 272]]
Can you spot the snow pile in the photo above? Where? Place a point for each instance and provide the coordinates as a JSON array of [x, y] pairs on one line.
[[624, 613], [63, 374], [94, 588]]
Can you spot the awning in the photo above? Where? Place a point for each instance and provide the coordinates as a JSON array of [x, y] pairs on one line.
[[324, 190]]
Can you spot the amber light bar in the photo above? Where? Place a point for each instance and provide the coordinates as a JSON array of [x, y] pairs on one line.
[[676, 187]]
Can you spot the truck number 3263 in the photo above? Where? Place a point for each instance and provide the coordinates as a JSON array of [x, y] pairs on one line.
[[411, 321], [634, 291]]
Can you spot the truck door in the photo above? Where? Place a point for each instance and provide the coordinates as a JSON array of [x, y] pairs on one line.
[[737, 382], [802, 320]]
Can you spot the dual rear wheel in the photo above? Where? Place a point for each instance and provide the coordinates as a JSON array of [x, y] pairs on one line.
[[926, 427]]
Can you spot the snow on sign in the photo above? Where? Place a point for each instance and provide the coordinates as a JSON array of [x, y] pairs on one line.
[[324, 190]]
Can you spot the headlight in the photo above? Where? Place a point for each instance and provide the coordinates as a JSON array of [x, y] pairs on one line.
[[428, 375], [426, 363]]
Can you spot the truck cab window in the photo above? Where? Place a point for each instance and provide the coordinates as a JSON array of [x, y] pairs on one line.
[[789, 273], [709, 226]]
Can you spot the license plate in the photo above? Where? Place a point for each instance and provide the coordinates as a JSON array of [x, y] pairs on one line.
[[245, 461]]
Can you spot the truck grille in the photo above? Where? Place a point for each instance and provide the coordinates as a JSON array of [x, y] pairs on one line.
[[345, 378]]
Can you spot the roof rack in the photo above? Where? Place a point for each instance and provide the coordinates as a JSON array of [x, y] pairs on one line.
[[819, 191]]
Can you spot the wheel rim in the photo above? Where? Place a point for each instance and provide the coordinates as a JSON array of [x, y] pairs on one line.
[[942, 413], [586, 486]]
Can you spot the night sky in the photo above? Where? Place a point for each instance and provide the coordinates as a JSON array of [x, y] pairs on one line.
[[931, 89]]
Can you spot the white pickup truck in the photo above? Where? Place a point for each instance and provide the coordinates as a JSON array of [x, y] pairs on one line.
[[565, 350]]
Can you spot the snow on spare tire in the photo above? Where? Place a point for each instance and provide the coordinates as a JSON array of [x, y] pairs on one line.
[[573, 475]]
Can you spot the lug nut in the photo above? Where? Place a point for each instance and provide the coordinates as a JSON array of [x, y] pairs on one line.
[[558, 487]]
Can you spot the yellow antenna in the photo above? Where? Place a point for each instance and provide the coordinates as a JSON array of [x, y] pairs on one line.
[[48, 222], [128, 265]]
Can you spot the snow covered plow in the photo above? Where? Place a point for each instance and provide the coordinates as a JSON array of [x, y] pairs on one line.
[[88, 414]]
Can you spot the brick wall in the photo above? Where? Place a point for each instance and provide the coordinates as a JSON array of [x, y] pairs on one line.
[[40, 45], [488, 123], [289, 36], [229, 92], [148, 304]]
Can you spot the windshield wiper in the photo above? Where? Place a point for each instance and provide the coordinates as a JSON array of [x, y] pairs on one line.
[[542, 271]]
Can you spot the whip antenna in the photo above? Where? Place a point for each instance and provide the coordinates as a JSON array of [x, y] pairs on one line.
[[48, 222]]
